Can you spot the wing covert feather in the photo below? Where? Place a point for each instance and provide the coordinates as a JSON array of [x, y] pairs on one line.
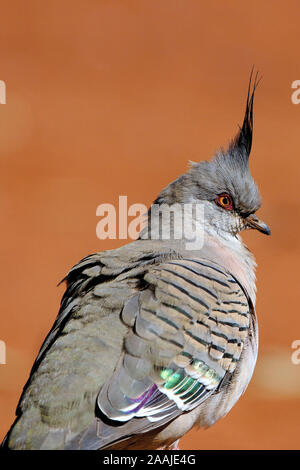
[[187, 330]]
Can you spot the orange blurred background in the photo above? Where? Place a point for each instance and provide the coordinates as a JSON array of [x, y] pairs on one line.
[[109, 98]]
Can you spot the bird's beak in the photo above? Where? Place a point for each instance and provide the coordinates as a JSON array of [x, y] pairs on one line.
[[254, 222]]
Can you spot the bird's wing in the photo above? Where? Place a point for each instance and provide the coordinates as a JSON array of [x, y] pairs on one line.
[[79, 353], [184, 322], [187, 330]]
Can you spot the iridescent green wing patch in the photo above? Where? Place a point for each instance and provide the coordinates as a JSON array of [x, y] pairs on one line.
[[187, 387]]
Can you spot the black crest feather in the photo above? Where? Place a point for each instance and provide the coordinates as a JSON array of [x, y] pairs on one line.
[[243, 140]]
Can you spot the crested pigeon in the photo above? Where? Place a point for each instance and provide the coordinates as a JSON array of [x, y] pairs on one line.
[[154, 338]]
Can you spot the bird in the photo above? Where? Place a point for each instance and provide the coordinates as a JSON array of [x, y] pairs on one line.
[[155, 337]]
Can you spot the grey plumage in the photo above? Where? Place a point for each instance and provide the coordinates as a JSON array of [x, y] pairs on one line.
[[152, 338]]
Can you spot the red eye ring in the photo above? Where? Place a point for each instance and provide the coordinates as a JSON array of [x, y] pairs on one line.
[[225, 201]]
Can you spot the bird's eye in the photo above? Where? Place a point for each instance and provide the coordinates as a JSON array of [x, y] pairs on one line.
[[225, 201]]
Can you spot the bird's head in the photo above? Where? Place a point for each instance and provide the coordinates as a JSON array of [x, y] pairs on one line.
[[224, 185]]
